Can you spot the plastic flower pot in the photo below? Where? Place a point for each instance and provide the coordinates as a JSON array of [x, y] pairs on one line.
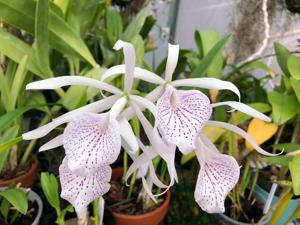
[[290, 208], [223, 219], [154, 217], [27, 179], [34, 197]]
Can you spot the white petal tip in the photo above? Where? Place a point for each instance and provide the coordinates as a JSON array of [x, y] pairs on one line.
[[119, 44]]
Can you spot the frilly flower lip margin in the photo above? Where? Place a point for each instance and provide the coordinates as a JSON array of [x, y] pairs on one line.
[[96, 132]]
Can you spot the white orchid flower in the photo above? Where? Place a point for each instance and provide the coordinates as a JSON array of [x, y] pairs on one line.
[[91, 140]]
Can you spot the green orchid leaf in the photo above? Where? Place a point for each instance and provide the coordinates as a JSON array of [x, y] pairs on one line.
[[41, 36], [49, 185], [80, 14], [17, 198], [16, 49], [287, 147], [284, 107], [296, 87], [114, 25], [212, 55], [282, 54], [9, 134], [293, 64], [294, 167], [135, 25], [278, 160], [206, 40]]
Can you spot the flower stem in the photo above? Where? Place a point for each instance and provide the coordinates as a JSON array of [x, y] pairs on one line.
[[296, 130]]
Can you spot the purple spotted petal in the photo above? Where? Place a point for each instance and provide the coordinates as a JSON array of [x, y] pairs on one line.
[[219, 173], [91, 141], [79, 190], [181, 116]]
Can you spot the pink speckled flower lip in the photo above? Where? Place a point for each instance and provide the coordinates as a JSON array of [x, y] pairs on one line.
[[96, 132]]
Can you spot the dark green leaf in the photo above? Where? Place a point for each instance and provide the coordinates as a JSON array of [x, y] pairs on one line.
[[206, 40], [282, 55], [135, 26], [296, 86], [50, 188], [284, 107], [294, 167], [16, 49], [287, 147], [114, 25], [80, 14], [9, 117], [9, 134], [278, 160], [7, 145], [41, 36], [17, 198], [207, 61], [293, 64]]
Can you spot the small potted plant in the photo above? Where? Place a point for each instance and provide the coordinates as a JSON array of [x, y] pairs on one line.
[[19, 206]]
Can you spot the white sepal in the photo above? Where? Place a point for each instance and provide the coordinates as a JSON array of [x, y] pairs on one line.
[[244, 108], [173, 53], [57, 82], [207, 83], [54, 143], [139, 73], [129, 57], [242, 133]]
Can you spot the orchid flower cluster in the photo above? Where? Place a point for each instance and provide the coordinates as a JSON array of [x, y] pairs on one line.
[[95, 133]]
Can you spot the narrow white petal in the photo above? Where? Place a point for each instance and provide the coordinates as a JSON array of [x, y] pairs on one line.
[[152, 96], [54, 143], [57, 82], [242, 133], [129, 57], [173, 53], [148, 189], [208, 83], [166, 151], [139, 73], [145, 103], [97, 106], [128, 135], [244, 108], [42, 131], [117, 107]]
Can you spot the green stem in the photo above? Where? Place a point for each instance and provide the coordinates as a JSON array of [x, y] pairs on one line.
[[296, 130], [96, 211], [132, 183], [125, 163], [278, 136]]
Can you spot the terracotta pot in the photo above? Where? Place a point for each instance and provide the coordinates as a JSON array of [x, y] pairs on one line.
[[154, 217], [26, 179]]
